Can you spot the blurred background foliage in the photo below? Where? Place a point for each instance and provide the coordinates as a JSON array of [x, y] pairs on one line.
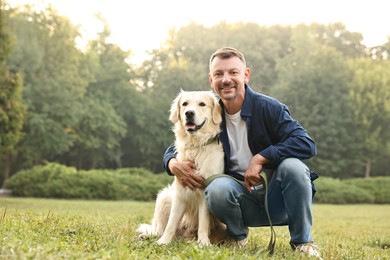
[[88, 108]]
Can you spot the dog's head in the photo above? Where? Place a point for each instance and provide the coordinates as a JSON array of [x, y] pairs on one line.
[[195, 111]]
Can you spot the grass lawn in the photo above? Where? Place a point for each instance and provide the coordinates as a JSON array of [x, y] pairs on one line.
[[73, 229]]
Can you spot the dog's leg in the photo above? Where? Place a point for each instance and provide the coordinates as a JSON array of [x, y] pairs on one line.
[[162, 211], [177, 212], [204, 224]]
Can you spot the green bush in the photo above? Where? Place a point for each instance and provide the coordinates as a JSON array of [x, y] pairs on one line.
[[378, 186], [335, 191], [33, 182], [58, 181]]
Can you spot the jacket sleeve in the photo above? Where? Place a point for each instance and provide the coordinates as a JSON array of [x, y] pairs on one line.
[[168, 155], [290, 139]]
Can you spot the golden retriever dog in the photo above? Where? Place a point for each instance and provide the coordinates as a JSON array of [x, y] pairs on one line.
[[181, 212]]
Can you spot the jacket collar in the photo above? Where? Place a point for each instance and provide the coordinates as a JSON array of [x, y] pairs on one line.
[[246, 110]]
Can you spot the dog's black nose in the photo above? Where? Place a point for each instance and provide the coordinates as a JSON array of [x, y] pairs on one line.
[[190, 114]]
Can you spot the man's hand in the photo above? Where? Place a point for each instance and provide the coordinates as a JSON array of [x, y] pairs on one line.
[[252, 174], [184, 172]]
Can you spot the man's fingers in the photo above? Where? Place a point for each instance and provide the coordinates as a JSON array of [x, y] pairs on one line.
[[193, 185], [251, 179], [198, 181], [192, 181], [248, 185], [185, 171], [191, 165]]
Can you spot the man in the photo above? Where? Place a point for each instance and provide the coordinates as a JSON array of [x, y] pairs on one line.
[[258, 134]]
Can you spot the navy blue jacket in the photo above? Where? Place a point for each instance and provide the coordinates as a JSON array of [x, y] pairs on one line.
[[272, 133]]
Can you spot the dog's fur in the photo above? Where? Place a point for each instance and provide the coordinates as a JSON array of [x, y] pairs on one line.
[[181, 212]]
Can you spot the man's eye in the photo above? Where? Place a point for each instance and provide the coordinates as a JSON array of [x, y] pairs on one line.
[[185, 104], [202, 104]]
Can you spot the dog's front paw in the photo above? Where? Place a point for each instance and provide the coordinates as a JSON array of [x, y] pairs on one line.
[[204, 242], [163, 241], [143, 236], [145, 231]]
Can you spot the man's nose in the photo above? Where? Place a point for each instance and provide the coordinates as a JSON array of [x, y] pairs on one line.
[[226, 78]]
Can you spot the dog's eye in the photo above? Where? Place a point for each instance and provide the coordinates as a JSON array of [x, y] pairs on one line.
[[202, 104], [185, 104]]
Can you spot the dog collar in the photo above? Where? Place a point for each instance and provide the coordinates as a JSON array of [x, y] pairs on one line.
[[211, 140]]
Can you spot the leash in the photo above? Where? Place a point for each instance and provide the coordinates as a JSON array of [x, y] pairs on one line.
[[263, 175], [272, 240]]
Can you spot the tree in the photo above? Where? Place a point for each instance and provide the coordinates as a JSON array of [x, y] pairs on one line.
[[101, 126], [336, 36], [312, 82], [46, 54], [369, 92], [99, 133], [12, 109]]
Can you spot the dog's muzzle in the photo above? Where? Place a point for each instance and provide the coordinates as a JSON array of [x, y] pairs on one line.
[[190, 126]]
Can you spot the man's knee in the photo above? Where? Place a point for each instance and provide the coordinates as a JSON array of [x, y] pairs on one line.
[[220, 191], [215, 192], [293, 168], [293, 164]]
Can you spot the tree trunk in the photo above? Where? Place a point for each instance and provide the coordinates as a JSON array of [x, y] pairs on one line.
[[6, 167], [79, 160], [367, 171]]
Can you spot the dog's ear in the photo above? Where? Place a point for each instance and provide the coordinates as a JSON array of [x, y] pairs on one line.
[[216, 112], [175, 109]]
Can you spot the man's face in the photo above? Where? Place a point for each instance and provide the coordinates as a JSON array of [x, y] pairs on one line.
[[228, 77]]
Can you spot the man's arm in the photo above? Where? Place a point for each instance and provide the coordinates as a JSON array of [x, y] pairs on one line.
[[168, 155], [293, 139]]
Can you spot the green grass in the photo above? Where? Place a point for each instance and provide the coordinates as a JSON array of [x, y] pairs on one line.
[[66, 229]]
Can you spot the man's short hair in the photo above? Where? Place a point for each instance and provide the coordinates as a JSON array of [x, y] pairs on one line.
[[227, 52]]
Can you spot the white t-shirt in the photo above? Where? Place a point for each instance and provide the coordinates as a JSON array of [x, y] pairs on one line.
[[240, 154]]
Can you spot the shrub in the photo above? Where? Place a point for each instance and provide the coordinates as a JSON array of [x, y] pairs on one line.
[[32, 182], [144, 185], [335, 191], [378, 186], [58, 181]]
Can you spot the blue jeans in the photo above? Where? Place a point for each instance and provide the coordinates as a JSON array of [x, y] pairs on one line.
[[290, 192]]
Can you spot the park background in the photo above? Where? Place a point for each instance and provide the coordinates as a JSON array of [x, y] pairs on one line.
[[90, 108], [83, 130]]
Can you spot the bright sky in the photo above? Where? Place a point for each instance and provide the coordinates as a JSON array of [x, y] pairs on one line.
[[141, 25]]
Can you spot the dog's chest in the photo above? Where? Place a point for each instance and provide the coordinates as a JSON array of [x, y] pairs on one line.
[[208, 159], [193, 154], [197, 154]]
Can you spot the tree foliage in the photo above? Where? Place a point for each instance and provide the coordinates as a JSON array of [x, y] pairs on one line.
[[46, 54], [313, 83], [12, 107], [369, 92], [89, 108]]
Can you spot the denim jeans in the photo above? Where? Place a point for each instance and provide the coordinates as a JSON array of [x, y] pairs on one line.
[[290, 192]]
